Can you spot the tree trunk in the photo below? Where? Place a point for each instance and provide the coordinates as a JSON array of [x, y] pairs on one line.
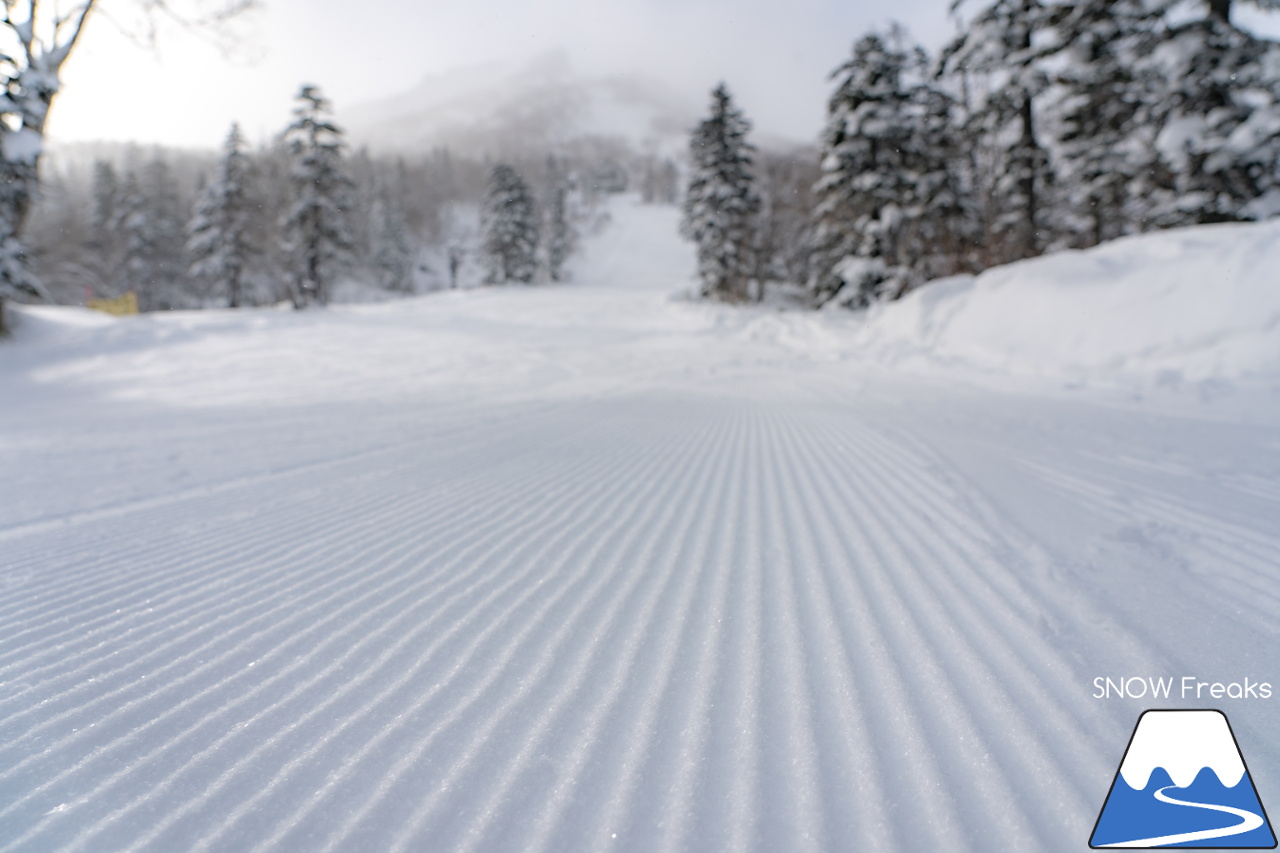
[[1031, 151]]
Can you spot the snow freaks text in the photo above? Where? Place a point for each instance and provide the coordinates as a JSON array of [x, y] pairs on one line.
[[1186, 687]]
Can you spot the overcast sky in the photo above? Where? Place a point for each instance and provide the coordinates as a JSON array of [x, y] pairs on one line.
[[774, 55]]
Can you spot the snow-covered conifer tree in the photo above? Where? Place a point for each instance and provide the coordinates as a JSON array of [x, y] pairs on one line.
[[17, 182], [561, 236], [659, 180], [1104, 145], [885, 193], [721, 202], [941, 229], [316, 232], [106, 198], [1218, 114], [218, 234], [1000, 46], [137, 271], [103, 239], [167, 285], [148, 232], [510, 222], [391, 251]]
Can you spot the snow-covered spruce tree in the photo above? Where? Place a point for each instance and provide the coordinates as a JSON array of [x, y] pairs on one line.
[[218, 239], [103, 217], [35, 45], [721, 203], [561, 235], [659, 180], [999, 49], [941, 230], [885, 195], [510, 223], [1218, 114], [17, 182], [391, 251], [1105, 145], [317, 237], [147, 229], [105, 242], [137, 271], [166, 288]]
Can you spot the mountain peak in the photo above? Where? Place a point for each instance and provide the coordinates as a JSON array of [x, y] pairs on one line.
[[521, 107]]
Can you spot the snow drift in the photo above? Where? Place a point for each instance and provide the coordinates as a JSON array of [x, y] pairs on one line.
[[1191, 304]]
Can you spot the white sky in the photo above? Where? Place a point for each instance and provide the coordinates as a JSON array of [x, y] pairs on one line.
[[774, 55]]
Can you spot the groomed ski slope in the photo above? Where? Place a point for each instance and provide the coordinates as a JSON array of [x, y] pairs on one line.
[[592, 568]]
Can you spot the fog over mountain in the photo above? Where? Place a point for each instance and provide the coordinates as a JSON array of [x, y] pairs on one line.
[[523, 106]]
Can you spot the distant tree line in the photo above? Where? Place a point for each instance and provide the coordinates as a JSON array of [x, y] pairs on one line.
[[284, 222], [301, 216], [1043, 125]]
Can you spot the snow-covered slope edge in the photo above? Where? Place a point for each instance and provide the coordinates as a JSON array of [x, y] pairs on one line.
[[1186, 305]]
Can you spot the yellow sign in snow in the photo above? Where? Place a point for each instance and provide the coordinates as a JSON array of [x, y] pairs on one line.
[[120, 306]]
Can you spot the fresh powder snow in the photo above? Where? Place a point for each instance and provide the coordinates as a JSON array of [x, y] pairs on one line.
[[598, 566]]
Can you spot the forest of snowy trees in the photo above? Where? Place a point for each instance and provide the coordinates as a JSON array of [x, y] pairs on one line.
[[298, 217], [1043, 125]]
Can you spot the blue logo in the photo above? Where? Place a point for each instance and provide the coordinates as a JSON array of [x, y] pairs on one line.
[[1183, 783]]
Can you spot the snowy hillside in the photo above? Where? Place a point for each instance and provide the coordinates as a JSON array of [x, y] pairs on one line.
[[596, 567]]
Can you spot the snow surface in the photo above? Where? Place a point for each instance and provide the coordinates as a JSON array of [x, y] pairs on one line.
[[596, 567]]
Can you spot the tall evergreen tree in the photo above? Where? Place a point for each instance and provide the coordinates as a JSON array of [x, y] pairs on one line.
[[886, 194], [1000, 45], [1218, 114], [510, 223], [721, 202], [103, 239], [218, 233], [316, 232], [1105, 142], [165, 287], [560, 232], [17, 183], [137, 271], [106, 198], [392, 252]]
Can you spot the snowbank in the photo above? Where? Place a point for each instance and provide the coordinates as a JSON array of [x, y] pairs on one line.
[[1191, 304], [44, 322]]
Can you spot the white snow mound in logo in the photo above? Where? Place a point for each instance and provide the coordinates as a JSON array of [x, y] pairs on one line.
[[1183, 743]]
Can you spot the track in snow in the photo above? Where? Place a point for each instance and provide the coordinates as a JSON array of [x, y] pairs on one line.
[[650, 624]]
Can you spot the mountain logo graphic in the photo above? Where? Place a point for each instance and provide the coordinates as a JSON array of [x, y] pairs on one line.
[[1183, 783]]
